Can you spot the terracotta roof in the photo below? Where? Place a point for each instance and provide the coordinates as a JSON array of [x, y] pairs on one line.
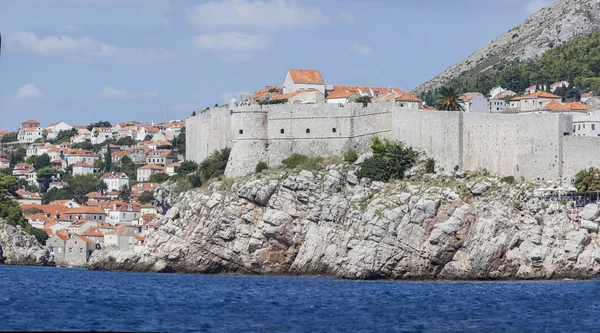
[[2, 159], [114, 175], [339, 94], [48, 209], [286, 96], [4, 132], [95, 195], [260, 94], [85, 239], [120, 153], [83, 165], [306, 76], [518, 98], [93, 232], [571, 106], [30, 122], [48, 231], [152, 167], [85, 210], [541, 94], [174, 165], [469, 96]]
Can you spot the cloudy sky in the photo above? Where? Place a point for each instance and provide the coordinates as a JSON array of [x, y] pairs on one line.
[[87, 60]]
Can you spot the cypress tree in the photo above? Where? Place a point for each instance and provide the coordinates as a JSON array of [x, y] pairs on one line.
[[107, 159]]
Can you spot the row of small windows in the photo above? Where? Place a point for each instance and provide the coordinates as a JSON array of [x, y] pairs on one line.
[[282, 131], [579, 127]]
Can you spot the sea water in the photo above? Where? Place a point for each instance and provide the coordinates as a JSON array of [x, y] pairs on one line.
[[58, 299]]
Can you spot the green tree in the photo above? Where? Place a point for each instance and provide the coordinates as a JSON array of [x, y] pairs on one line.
[[214, 165], [10, 137], [45, 176], [107, 159], [125, 193], [65, 135], [39, 162], [126, 141], [448, 99], [159, 178], [128, 167], [17, 156], [179, 142], [364, 100], [146, 197], [187, 167], [588, 180], [80, 185], [98, 124]]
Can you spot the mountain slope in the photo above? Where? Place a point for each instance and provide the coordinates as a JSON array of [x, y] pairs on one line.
[[561, 22]]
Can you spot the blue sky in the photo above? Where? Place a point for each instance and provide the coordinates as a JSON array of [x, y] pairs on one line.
[[82, 61]]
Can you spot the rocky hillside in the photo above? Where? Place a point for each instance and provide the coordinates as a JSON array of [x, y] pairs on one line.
[[20, 248], [561, 22], [329, 223]]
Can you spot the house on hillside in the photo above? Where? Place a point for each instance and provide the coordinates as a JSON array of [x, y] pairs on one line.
[[163, 157], [100, 135], [82, 169], [144, 173], [121, 238], [26, 197], [475, 102], [341, 97], [559, 84], [308, 96], [78, 250], [55, 128], [4, 163], [537, 101], [301, 79], [115, 180], [56, 247]]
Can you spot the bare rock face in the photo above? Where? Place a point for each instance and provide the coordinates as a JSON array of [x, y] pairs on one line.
[[20, 248], [561, 22], [329, 223]]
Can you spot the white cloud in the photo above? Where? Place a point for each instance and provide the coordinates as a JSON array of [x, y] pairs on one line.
[[28, 91], [226, 41], [108, 92], [85, 49], [69, 28], [360, 49], [533, 6], [348, 17], [267, 15]]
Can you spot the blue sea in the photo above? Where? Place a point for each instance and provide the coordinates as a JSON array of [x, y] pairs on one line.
[[61, 299]]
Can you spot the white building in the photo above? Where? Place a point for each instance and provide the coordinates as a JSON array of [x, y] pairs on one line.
[[115, 181], [496, 91], [82, 169], [536, 101], [341, 97], [144, 173], [497, 105], [100, 135], [55, 128], [30, 135], [123, 214], [300, 79], [474, 102], [559, 84], [4, 163]]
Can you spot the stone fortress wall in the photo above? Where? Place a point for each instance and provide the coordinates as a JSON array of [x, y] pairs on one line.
[[533, 146]]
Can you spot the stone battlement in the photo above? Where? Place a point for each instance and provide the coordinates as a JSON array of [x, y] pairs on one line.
[[528, 145]]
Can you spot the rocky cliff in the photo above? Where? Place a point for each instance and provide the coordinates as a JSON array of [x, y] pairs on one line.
[[329, 223], [20, 248], [558, 23]]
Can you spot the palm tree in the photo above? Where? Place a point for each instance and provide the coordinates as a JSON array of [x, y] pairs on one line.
[[125, 193], [102, 187], [448, 100]]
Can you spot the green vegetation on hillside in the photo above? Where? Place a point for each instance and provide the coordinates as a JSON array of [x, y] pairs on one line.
[[577, 62], [11, 212], [389, 161]]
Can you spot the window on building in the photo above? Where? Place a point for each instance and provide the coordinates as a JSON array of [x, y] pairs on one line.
[[578, 127], [60, 250], [70, 250], [75, 242], [281, 131], [241, 131], [584, 126], [307, 130], [123, 215], [334, 130], [80, 250], [593, 127]]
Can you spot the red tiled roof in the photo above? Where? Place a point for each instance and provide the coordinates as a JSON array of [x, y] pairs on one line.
[[85, 210], [306, 76], [469, 96], [571, 106], [152, 167], [541, 94], [339, 94], [48, 209], [30, 122], [286, 96]]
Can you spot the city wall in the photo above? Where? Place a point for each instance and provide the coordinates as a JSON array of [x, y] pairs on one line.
[[533, 146]]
